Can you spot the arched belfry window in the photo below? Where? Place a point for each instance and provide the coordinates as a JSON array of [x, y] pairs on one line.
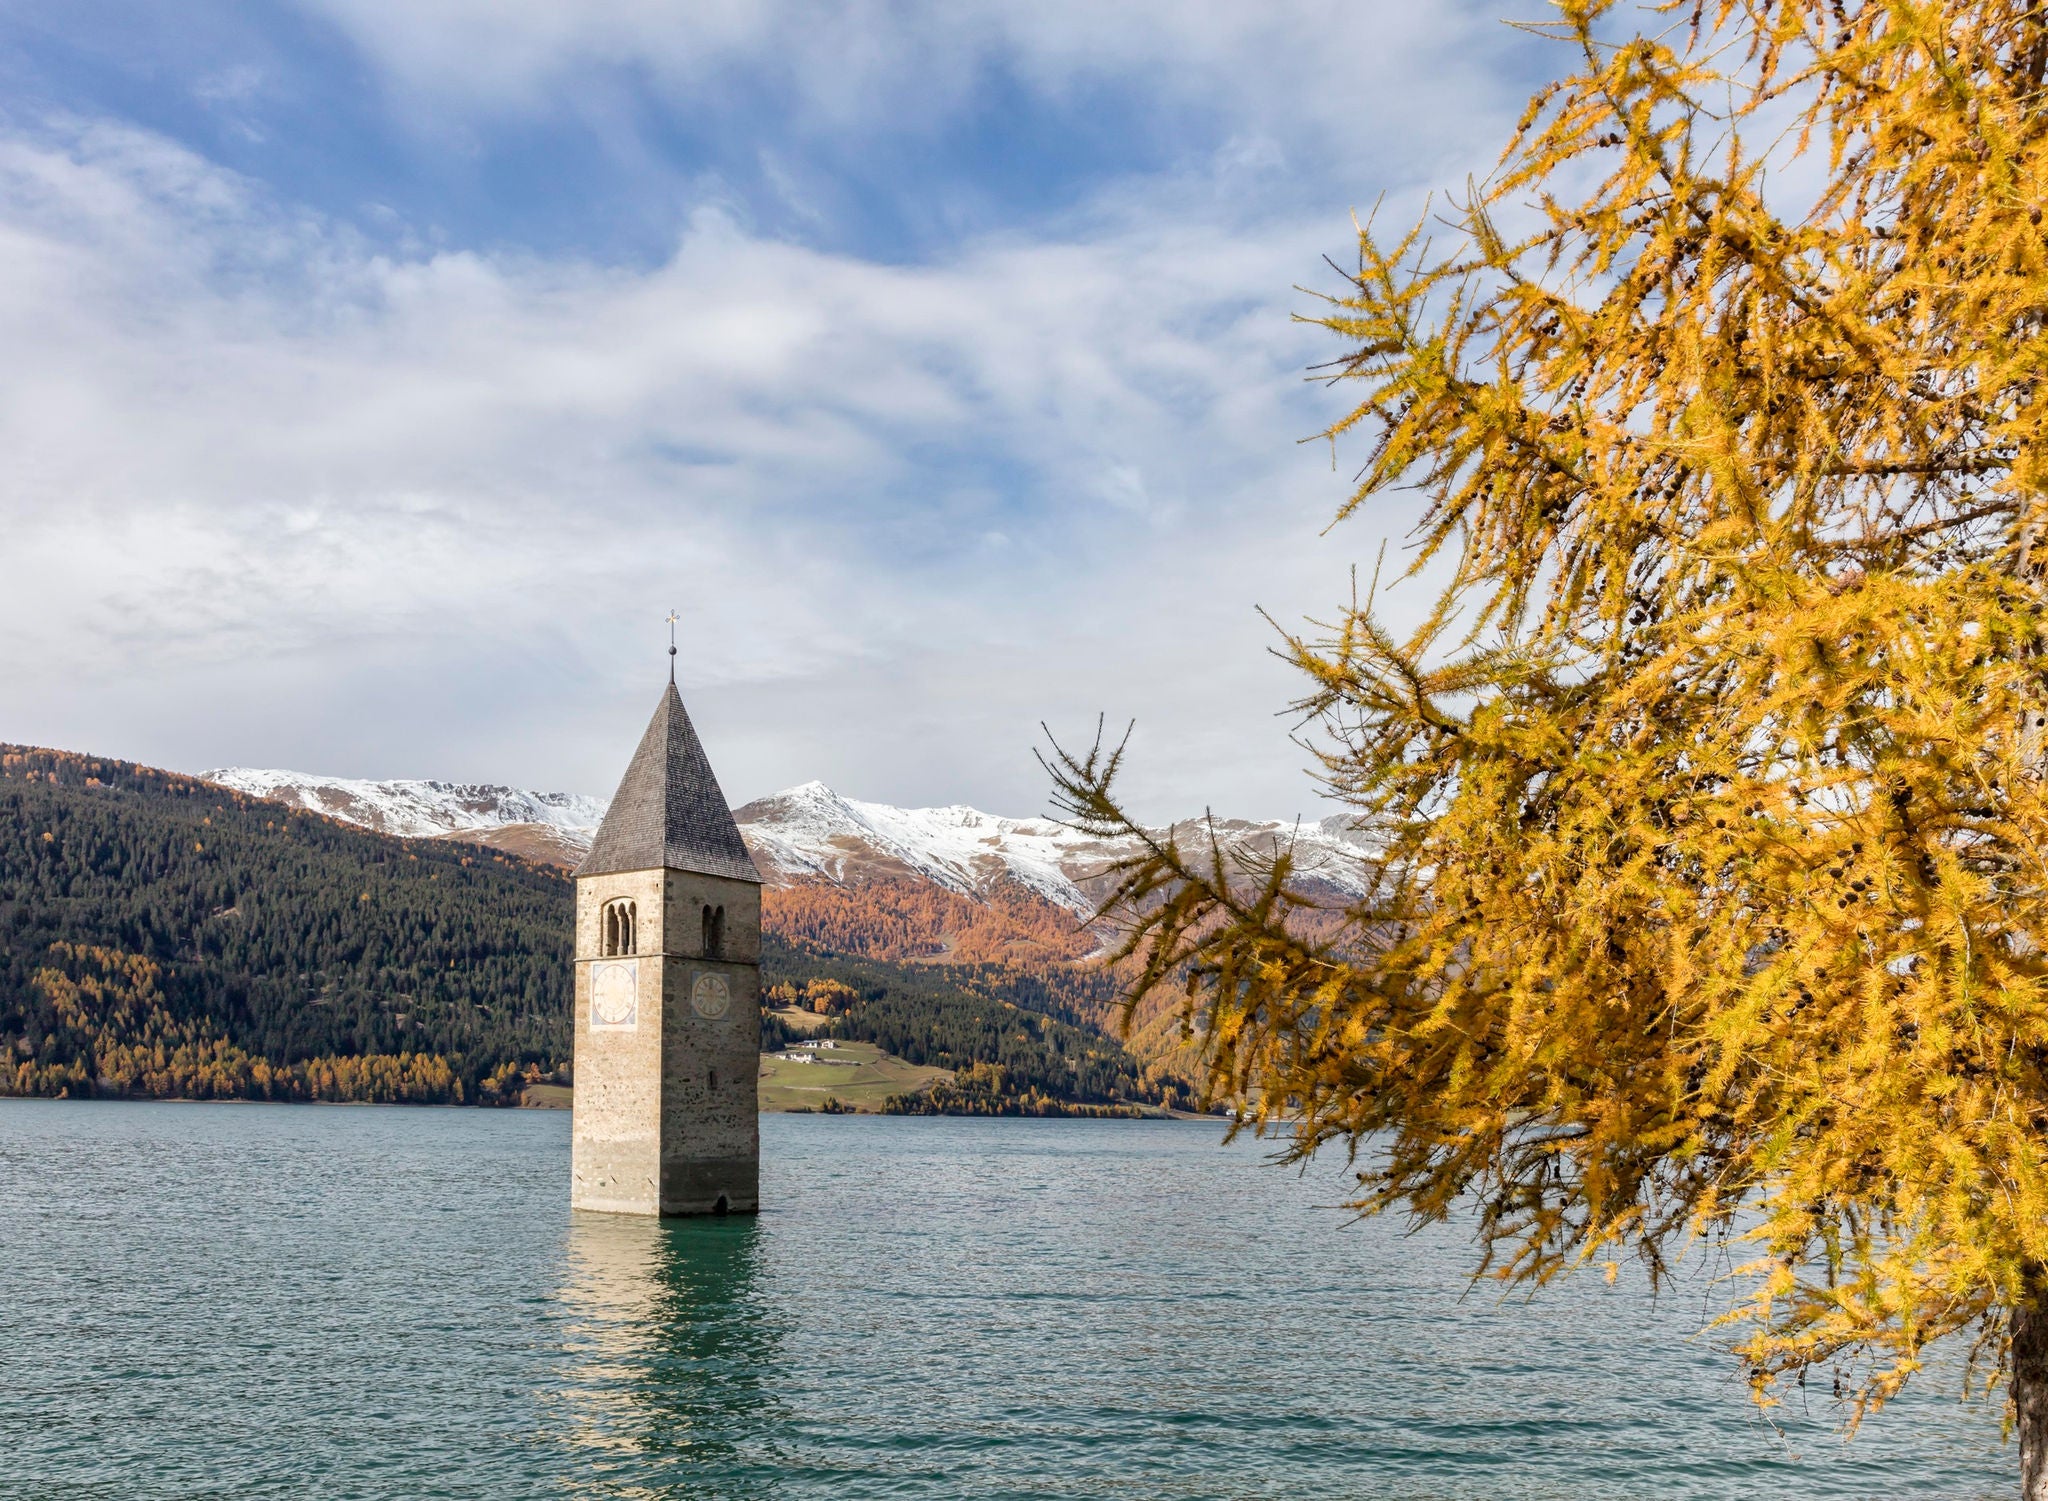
[[714, 932], [619, 923]]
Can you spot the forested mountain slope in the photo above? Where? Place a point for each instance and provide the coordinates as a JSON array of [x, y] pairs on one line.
[[237, 924], [165, 935], [950, 887]]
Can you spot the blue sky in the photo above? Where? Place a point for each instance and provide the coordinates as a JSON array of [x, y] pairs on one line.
[[384, 370]]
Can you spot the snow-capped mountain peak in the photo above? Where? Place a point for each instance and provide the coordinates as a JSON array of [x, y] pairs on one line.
[[812, 831]]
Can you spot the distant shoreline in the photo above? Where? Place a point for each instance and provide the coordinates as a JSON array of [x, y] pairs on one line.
[[1157, 1113]]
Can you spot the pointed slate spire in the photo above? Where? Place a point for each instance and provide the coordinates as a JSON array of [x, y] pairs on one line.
[[668, 812]]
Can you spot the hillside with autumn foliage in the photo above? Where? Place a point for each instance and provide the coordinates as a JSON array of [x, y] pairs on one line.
[[1010, 943], [917, 921]]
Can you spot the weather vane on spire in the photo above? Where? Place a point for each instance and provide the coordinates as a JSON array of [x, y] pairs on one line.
[[672, 619]]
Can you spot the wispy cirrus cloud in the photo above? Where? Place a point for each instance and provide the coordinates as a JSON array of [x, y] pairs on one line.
[[900, 64]]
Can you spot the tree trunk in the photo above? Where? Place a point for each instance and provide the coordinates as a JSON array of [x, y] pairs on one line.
[[2029, 1386]]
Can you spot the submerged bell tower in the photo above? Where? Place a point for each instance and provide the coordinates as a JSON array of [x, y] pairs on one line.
[[668, 991]]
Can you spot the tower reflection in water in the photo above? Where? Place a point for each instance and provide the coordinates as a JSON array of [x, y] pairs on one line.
[[670, 1349]]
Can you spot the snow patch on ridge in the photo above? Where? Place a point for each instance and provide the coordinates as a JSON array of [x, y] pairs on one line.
[[419, 809]]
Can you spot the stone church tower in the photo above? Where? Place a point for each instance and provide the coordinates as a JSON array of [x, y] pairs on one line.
[[668, 992]]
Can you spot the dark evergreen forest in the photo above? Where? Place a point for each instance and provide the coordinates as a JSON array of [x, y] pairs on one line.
[[162, 935]]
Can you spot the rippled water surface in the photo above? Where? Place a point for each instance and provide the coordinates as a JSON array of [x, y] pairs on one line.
[[248, 1300]]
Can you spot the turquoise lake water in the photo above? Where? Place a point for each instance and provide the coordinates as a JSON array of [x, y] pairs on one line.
[[293, 1301]]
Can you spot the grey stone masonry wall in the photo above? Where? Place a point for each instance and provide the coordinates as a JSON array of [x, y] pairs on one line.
[[667, 1047]]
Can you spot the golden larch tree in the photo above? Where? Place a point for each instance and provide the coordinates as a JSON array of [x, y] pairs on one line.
[[1712, 898]]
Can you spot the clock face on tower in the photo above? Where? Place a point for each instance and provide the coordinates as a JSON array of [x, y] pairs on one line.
[[710, 996], [615, 995]]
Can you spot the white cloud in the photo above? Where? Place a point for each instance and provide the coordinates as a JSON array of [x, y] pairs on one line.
[[275, 495]]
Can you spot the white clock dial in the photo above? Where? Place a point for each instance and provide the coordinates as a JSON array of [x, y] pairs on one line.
[[615, 996]]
